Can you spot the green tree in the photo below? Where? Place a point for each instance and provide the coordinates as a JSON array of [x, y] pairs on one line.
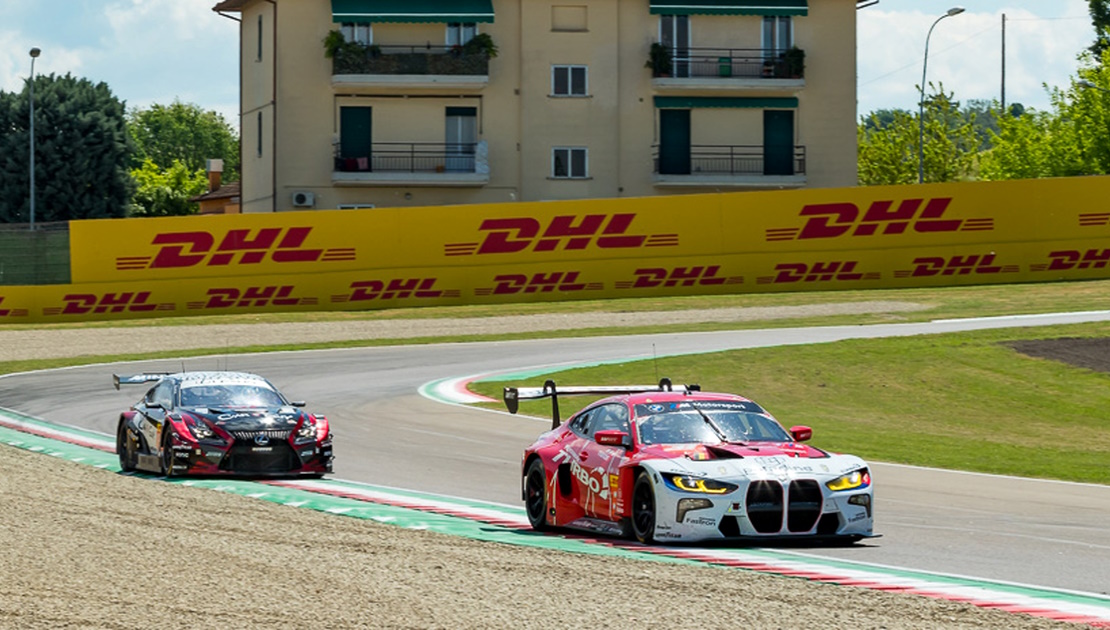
[[81, 152], [166, 192], [185, 133], [1100, 19], [888, 146]]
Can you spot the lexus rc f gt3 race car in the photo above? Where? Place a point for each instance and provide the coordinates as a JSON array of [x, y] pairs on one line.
[[672, 463], [219, 423]]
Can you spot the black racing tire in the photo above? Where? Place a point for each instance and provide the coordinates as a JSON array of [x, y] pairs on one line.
[[166, 464], [535, 495], [127, 456], [643, 509]]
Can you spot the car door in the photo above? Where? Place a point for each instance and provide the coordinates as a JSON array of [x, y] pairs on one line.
[[152, 414], [601, 463]]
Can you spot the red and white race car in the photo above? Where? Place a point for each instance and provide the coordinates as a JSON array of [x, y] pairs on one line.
[[673, 463]]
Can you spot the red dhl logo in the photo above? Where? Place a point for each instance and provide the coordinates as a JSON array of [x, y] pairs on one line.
[[251, 297], [830, 271], [558, 281], [86, 303], [244, 247], [12, 312], [1068, 260], [395, 289], [830, 220], [653, 278], [562, 233], [975, 264]]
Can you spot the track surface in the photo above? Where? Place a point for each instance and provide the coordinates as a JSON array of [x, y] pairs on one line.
[[1027, 531]]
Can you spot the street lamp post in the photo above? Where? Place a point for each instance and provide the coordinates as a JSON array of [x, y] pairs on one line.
[[34, 55], [1091, 86], [921, 107]]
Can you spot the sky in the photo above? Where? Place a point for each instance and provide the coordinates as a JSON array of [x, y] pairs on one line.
[[156, 51]]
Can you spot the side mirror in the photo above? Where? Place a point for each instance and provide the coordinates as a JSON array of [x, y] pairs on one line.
[[297, 403], [613, 437], [801, 433], [154, 405]]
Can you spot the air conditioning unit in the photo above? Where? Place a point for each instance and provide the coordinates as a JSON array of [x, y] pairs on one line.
[[304, 199]]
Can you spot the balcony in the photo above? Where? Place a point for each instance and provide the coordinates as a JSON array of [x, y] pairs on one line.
[[731, 166], [424, 66], [730, 69], [415, 164]]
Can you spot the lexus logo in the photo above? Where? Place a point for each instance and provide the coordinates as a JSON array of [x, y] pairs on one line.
[[262, 439]]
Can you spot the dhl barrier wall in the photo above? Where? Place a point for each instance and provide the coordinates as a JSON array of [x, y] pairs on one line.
[[822, 239]]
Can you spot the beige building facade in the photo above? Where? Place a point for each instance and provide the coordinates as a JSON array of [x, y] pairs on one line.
[[383, 103]]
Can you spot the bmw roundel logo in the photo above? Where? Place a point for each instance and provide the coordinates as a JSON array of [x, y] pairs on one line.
[[262, 439]]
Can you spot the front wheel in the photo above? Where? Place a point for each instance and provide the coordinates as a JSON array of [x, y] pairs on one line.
[[643, 509], [535, 497]]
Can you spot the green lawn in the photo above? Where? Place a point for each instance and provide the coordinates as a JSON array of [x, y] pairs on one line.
[[962, 401]]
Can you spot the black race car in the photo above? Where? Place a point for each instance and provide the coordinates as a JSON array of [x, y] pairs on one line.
[[220, 423]]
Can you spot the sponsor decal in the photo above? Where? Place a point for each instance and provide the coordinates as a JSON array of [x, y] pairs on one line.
[[830, 271], [1068, 260], [1094, 219], [595, 480], [562, 233], [236, 247], [261, 449], [702, 521], [652, 278], [257, 297], [974, 264], [858, 517], [557, 281], [12, 312], [86, 303], [888, 217], [395, 289]]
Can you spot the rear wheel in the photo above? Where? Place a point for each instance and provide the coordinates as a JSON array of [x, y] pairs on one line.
[[643, 509], [167, 449], [535, 498], [125, 448]]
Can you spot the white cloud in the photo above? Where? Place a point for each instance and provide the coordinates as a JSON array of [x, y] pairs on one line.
[[965, 54]]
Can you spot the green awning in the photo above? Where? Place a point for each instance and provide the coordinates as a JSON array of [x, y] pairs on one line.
[[443, 11], [704, 102], [729, 7]]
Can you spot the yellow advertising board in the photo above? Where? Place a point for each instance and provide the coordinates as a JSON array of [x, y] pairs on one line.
[[817, 239]]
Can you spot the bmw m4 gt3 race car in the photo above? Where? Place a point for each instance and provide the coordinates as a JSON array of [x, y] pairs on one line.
[[219, 423], [672, 463]]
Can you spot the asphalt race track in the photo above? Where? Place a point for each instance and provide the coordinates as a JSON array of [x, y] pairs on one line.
[[1042, 533]]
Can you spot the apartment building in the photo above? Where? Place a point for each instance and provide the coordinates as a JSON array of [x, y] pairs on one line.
[[382, 103]]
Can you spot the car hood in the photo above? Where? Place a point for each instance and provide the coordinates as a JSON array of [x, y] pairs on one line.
[[737, 450], [724, 461], [253, 419]]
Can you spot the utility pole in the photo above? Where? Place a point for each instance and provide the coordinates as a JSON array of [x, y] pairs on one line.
[[1003, 62]]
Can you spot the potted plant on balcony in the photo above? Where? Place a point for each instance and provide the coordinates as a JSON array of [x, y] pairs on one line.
[[795, 59], [659, 60], [481, 43], [333, 43]]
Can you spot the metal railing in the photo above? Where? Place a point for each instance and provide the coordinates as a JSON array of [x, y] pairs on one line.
[[412, 157], [718, 159], [743, 63], [426, 59]]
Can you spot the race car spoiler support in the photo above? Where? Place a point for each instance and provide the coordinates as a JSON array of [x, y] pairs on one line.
[[513, 395], [138, 379]]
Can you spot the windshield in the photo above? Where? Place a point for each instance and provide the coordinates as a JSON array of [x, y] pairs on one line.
[[223, 396], [707, 422]]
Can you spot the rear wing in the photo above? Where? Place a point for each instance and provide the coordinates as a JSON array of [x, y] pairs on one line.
[[138, 379], [513, 395]]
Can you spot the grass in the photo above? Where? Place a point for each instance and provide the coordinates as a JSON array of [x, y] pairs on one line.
[[964, 401]]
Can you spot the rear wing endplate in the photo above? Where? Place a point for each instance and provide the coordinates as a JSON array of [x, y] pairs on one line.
[[513, 395], [138, 379]]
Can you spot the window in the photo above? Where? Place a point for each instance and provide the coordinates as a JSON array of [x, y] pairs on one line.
[[568, 163], [358, 33], [778, 35], [568, 81], [459, 33]]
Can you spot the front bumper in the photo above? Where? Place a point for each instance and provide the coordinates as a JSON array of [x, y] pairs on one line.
[[279, 458]]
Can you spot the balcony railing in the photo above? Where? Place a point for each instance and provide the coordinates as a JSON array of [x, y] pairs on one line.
[[715, 159], [417, 157], [419, 60], [743, 63]]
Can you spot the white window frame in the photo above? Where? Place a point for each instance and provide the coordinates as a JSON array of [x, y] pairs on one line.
[[456, 33], [569, 70], [568, 153], [774, 47], [357, 32]]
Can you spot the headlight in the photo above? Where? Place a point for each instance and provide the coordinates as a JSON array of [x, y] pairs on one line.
[[200, 429], [689, 483], [307, 431], [856, 479]]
